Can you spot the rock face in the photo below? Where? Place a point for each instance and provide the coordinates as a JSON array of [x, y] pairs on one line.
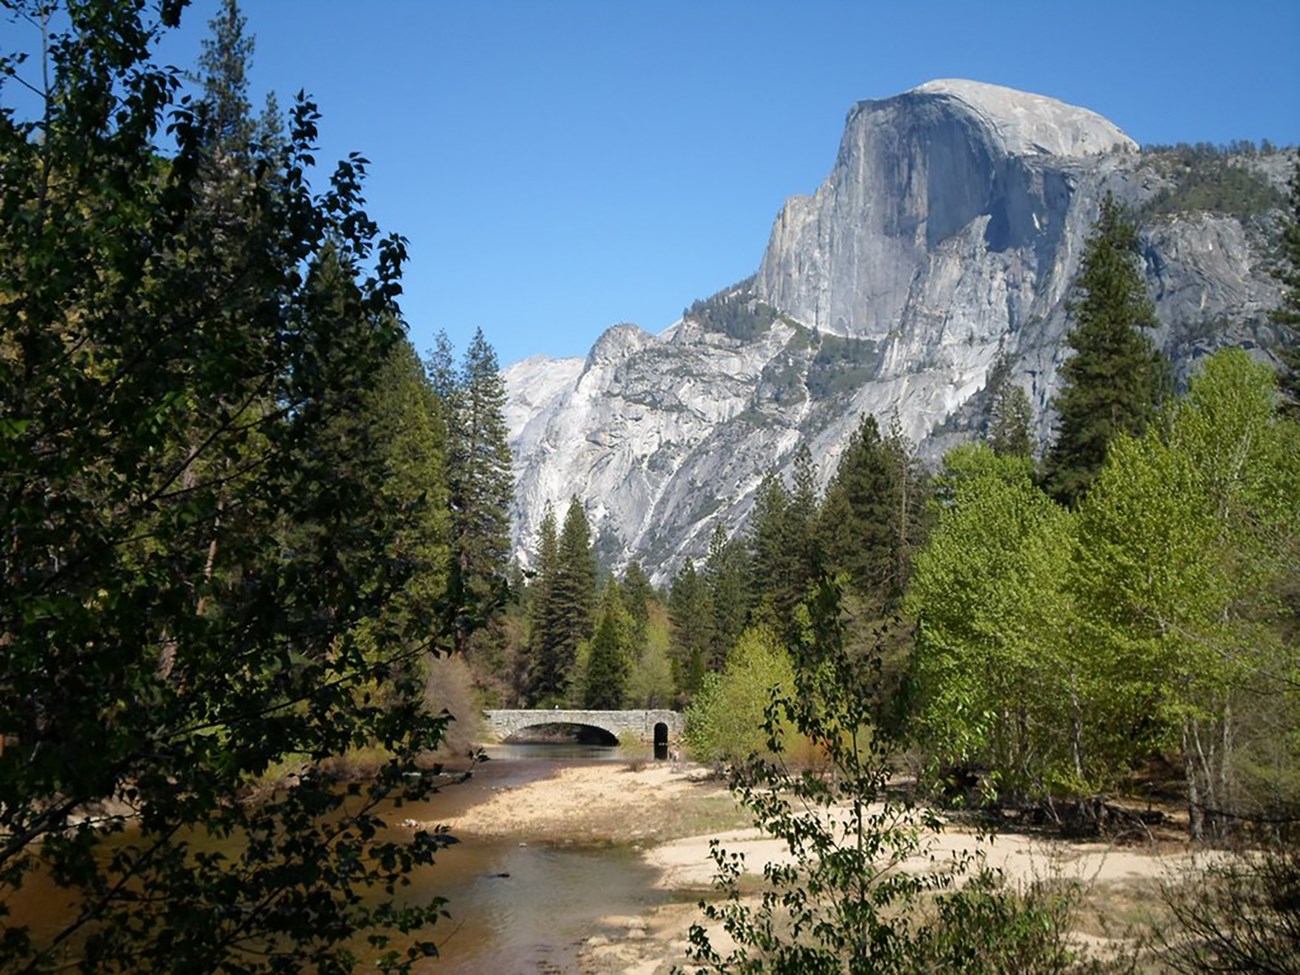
[[949, 228]]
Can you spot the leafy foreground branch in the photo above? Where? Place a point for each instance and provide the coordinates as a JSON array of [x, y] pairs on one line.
[[863, 890], [209, 582]]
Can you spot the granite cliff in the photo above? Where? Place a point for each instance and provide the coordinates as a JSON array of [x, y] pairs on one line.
[[949, 229]]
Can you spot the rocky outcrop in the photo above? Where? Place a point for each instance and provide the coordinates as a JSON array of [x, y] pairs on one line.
[[949, 228]]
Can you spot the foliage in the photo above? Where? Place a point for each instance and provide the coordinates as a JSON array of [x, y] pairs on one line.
[[727, 579], [1236, 914], [734, 312], [994, 682], [1287, 270], [873, 515], [650, 683], [562, 605], [194, 569], [841, 364], [1010, 417], [1210, 178], [725, 719], [1181, 554], [482, 485], [1116, 379], [691, 615], [606, 678], [861, 891]]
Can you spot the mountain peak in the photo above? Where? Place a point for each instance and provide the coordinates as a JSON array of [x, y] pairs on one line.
[[1029, 124]]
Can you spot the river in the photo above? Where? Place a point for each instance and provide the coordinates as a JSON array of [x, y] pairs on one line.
[[514, 907], [519, 908]]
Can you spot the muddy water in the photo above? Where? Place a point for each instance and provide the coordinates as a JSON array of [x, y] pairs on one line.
[[513, 908]]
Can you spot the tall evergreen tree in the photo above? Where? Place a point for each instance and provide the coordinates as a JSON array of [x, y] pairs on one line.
[[776, 589], [1009, 421], [482, 484], [636, 593], [730, 586], [564, 604], [575, 577], [1116, 379], [545, 675], [801, 525], [440, 366], [692, 622], [409, 442], [609, 661], [223, 65], [859, 526]]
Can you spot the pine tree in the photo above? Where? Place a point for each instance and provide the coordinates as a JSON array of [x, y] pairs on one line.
[[545, 675], [482, 485], [610, 653], [1116, 379], [408, 439], [911, 494], [636, 593], [227, 54], [730, 588], [575, 576], [563, 606], [692, 622], [801, 528], [857, 522], [440, 366], [776, 590], [1009, 421]]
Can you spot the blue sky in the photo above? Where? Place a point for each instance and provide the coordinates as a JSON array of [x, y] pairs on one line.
[[563, 165]]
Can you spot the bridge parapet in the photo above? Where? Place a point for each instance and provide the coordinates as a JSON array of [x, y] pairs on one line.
[[639, 725]]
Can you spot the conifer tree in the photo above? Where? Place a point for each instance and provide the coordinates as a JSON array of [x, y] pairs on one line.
[[227, 54], [728, 581], [563, 606], [610, 653], [636, 593], [692, 623], [771, 543], [482, 484], [1010, 417], [545, 675], [408, 440], [1116, 379], [801, 527], [857, 526]]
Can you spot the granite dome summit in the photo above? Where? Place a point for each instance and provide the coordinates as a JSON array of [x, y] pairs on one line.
[[949, 228]]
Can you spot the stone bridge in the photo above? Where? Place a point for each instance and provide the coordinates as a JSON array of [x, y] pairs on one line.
[[655, 726]]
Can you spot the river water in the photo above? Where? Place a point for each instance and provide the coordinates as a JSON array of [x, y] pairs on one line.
[[519, 908], [514, 908]]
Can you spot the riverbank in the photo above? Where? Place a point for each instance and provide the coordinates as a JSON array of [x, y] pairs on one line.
[[670, 814]]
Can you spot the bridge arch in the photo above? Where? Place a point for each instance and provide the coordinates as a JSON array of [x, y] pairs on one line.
[[622, 725]]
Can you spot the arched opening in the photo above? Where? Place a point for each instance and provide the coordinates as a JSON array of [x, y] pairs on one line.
[[661, 741], [562, 733]]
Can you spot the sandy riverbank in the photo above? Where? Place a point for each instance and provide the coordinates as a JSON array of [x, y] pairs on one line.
[[673, 813]]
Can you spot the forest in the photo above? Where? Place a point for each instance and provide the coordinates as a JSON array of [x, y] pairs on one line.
[[257, 568]]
